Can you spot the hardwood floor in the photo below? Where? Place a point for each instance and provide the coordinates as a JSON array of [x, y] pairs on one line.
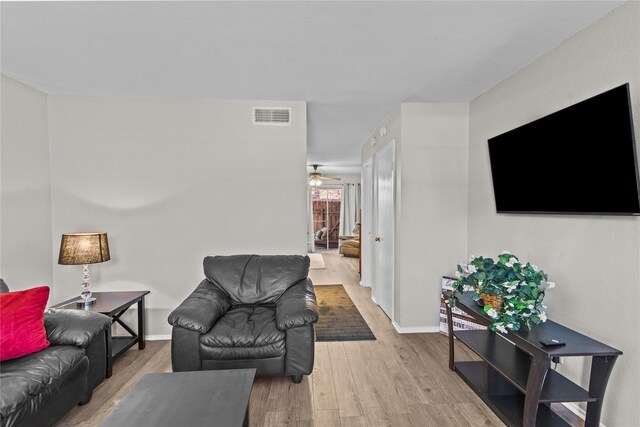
[[398, 380]]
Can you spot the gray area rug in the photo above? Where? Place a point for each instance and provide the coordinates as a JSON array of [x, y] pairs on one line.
[[339, 319]]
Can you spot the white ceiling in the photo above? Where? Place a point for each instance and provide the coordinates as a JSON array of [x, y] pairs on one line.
[[351, 61]]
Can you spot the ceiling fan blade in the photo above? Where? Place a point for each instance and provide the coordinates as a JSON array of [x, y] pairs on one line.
[[316, 176]]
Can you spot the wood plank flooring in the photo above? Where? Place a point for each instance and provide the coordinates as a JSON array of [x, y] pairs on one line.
[[398, 380]]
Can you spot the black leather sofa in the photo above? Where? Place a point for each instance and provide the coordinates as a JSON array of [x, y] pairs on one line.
[[251, 311], [39, 388]]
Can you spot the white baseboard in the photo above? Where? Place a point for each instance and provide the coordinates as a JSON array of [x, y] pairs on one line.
[[365, 285], [415, 329], [374, 299], [157, 337], [573, 407]]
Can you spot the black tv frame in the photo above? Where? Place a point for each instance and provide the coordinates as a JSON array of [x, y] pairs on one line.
[[635, 158]]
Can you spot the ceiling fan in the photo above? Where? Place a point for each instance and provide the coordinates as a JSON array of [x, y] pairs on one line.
[[316, 178]]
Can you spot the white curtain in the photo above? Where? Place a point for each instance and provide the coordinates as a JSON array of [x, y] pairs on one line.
[[349, 208]]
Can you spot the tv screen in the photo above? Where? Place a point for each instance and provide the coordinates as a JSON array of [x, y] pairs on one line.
[[579, 160]]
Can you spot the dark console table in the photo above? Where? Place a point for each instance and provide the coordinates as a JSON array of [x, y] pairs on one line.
[[114, 305], [514, 378]]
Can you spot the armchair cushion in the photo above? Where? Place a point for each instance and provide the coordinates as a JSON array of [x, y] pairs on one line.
[[255, 279], [202, 309], [248, 332], [297, 306], [74, 327]]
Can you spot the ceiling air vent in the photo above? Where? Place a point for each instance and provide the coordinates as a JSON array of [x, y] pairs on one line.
[[272, 116]]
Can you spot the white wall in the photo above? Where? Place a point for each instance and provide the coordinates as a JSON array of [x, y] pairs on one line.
[[595, 260], [25, 201], [431, 204], [172, 181], [432, 215]]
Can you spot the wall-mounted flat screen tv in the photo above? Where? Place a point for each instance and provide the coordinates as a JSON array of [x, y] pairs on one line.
[[579, 160]]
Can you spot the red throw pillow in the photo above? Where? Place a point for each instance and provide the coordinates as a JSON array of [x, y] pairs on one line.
[[22, 322]]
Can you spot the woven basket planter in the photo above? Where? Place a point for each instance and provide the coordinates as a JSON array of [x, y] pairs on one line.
[[494, 301]]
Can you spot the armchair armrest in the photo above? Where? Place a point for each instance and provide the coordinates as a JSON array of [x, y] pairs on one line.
[[74, 327], [202, 309], [297, 306]]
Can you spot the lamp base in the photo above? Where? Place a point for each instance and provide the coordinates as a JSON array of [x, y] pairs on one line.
[[83, 303]]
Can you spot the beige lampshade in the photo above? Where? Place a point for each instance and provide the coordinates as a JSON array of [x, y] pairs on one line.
[[84, 248]]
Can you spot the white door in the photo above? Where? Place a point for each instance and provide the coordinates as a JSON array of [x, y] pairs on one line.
[[384, 227], [366, 230]]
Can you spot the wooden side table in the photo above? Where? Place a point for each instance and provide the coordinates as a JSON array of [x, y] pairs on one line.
[[114, 305]]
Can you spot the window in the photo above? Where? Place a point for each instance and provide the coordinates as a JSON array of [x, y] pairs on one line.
[[326, 216]]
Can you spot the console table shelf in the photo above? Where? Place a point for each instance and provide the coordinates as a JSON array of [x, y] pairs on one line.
[[514, 377], [513, 364], [507, 404]]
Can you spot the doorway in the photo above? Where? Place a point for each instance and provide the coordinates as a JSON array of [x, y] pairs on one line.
[[384, 228], [325, 202], [366, 234]]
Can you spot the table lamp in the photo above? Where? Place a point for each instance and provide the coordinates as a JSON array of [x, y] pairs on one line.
[[85, 249]]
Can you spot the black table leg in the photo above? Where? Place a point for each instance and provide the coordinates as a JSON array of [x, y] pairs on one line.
[[141, 342], [601, 367], [109, 350], [537, 374], [450, 330]]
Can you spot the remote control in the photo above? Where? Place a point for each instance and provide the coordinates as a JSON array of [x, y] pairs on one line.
[[551, 342]]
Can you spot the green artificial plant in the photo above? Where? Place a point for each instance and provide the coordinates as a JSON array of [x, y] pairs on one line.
[[521, 285]]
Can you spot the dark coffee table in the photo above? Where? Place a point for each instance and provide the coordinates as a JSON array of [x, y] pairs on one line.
[[194, 399], [114, 305]]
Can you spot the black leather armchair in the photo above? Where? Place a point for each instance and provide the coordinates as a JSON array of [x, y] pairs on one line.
[[251, 311]]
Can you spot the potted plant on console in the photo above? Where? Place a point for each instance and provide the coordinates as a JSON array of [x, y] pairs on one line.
[[511, 290]]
